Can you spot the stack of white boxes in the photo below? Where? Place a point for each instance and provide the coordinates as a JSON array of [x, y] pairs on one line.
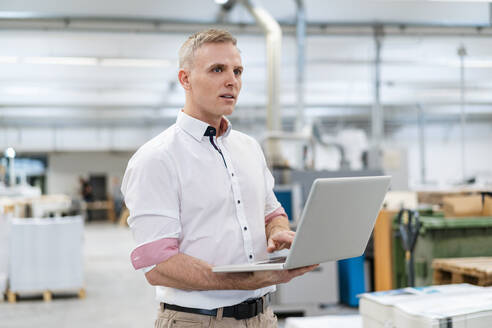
[[456, 306], [46, 254]]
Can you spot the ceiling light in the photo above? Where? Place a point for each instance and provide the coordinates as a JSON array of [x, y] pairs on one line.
[[10, 152], [461, 0], [478, 63], [24, 90], [131, 62], [93, 61], [83, 61], [469, 63], [8, 60], [221, 2]]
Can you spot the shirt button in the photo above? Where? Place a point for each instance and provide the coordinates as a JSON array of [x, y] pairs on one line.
[[239, 202], [250, 256], [245, 228], [232, 174]]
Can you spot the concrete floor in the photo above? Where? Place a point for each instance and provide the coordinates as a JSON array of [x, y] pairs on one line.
[[117, 295]]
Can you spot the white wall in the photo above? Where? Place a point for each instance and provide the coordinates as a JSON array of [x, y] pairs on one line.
[[64, 169], [49, 139], [443, 152], [93, 151]]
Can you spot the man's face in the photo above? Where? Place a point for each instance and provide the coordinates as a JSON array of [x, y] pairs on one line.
[[215, 79]]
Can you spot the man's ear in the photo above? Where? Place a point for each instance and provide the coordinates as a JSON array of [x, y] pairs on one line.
[[184, 79]]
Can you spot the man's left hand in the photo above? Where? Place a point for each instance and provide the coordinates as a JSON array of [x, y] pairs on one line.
[[280, 240]]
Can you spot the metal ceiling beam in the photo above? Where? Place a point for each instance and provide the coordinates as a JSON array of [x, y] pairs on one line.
[[174, 107], [153, 25], [359, 119]]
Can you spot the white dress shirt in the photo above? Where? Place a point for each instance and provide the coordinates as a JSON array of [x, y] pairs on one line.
[[185, 196]]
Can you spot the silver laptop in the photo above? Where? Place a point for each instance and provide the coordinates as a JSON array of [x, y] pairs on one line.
[[336, 224]]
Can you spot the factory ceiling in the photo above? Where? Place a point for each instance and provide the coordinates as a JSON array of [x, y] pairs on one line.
[[113, 62]]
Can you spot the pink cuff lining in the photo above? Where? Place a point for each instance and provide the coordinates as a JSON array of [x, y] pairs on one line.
[[278, 212], [153, 253]]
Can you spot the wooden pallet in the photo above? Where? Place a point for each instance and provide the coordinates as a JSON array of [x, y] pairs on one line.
[[472, 270], [47, 294]]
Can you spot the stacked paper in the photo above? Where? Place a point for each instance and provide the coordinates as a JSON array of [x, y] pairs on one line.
[[46, 254], [378, 309], [4, 252], [459, 310]]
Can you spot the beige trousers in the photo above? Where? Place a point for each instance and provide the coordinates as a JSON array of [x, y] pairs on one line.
[[174, 319]]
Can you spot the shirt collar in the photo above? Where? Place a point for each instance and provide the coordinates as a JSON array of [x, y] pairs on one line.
[[197, 128]]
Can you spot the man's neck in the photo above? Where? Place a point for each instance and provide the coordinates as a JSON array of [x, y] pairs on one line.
[[212, 121]]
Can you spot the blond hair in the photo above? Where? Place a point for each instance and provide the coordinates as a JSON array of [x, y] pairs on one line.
[[195, 41]]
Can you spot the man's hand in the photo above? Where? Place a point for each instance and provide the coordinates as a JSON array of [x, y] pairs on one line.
[[280, 240], [260, 279]]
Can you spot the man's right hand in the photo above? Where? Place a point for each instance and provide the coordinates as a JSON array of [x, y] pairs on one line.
[[260, 279], [185, 272]]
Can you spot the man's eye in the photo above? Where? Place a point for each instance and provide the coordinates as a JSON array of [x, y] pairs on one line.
[[217, 69], [237, 71]]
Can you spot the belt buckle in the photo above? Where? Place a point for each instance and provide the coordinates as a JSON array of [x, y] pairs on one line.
[[257, 305], [242, 311]]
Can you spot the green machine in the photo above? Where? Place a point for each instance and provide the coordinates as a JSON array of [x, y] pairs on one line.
[[440, 237]]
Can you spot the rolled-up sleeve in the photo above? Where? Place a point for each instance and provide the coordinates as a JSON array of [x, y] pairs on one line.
[[151, 192]]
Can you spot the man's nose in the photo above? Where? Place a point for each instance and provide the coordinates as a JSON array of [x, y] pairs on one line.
[[231, 79]]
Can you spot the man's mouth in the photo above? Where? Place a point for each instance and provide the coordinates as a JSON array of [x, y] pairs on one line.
[[227, 96]]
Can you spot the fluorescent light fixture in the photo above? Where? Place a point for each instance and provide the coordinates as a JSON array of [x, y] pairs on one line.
[[478, 63], [221, 2], [134, 62], [24, 90], [468, 63], [461, 0], [82, 61], [8, 60], [93, 61]]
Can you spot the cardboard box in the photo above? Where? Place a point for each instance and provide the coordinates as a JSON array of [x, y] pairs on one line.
[[461, 206]]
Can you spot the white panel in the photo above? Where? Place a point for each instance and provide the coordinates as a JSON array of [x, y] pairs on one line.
[[169, 9], [82, 139], [443, 152], [130, 139], [27, 139], [318, 287], [398, 11], [64, 169]]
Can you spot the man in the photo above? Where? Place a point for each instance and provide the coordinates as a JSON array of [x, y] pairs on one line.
[[199, 195]]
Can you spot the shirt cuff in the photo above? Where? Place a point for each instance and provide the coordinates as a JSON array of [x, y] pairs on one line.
[[154, 252], [278, 212]]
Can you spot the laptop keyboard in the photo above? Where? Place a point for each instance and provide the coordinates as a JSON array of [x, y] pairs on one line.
[[280, 259]]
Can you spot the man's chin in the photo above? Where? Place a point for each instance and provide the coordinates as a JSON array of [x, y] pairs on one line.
[[228, 111]]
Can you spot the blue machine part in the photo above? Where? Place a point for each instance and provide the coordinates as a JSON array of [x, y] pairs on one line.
[[284, 196], [351, 280]]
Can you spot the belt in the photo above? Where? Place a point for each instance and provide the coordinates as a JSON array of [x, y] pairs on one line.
[[245, 310]]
